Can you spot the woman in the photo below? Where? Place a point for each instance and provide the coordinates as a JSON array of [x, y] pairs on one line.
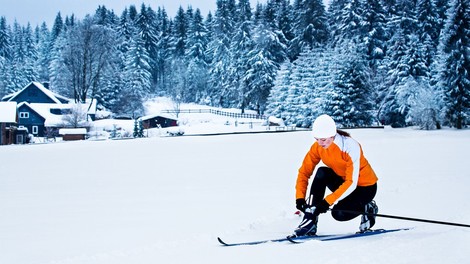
[[348, 175]]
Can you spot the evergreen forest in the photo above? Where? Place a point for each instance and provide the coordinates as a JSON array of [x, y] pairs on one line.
[[364, 62]]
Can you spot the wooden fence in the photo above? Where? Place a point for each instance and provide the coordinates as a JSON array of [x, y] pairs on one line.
[[215, 112]]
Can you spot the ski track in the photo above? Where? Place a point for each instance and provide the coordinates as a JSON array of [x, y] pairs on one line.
[[166, 200]]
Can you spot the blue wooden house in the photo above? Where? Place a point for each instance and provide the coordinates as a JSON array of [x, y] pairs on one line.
[[41, 111], [31, 119]]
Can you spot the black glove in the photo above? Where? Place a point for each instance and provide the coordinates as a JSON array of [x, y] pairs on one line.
[[321, 207], [301, 204]]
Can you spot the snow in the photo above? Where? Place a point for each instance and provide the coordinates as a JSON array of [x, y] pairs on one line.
[[190, 123], [7, 112], [166, 199], [72, 131]]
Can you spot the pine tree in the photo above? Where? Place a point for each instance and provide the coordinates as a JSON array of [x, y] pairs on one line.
[[30, 56], [241, 45], [163, 58], [455, 64], [351, 105], [310, 27], [310, 87], [428, 28], [5, 55], [5, 40], [138, 78], [180, 33], [345, 19], [145, 24], [43, 40], [391, 111], [113, 79], [219, 47], [197, 59], [263, 61], [57, 28], [24, 57], [138, 128], [297, 104], [374, 32], [275, 105], [285, 20]]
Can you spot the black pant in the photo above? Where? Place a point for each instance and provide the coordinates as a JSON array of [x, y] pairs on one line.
[[356, 201]]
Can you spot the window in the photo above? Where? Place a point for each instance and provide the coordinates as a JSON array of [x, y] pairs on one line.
[[24, 114], [35, 130]]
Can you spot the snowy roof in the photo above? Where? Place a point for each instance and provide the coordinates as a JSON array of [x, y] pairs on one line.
[[7, 112], [53, 96], [72, 131], [55, 119], [158, 115]]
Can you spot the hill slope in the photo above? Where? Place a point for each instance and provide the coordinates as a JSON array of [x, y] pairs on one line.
[[165, 200]]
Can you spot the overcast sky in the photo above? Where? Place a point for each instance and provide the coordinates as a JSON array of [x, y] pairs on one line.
[[38, 11]]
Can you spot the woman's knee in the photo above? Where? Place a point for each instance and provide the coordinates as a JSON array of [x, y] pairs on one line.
[[342, 216], [322, 173]]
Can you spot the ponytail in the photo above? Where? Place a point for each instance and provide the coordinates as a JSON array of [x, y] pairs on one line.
[[343, 133]]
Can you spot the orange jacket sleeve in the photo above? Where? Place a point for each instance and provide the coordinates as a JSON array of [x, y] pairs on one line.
[[308, 166]]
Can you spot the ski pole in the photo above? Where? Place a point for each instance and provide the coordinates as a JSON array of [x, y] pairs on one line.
[[405, 218]]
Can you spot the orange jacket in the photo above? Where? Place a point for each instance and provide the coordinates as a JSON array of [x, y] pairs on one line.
[[346, 159]]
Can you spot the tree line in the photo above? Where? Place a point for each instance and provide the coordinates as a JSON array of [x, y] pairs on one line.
[[365, 62]]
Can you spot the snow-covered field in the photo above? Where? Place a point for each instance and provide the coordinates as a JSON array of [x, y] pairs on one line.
[[189, 123], [166, 199]]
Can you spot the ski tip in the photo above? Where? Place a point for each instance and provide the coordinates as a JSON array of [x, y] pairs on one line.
[[221, 241], [292, 239]]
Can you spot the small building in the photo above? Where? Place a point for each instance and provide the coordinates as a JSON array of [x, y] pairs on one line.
[[70, 134], [158, 121]]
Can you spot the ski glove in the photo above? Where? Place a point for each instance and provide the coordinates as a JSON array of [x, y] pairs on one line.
[[321, 207], [301, 204]]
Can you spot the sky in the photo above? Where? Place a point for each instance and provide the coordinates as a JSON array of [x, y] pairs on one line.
[[38, 11]]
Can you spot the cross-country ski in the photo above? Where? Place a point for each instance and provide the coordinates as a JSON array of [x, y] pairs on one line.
[[302, 239]]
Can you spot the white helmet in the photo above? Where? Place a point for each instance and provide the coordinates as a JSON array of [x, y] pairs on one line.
[[324, 127]]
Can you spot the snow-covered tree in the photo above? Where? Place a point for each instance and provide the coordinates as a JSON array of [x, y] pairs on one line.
[[138, 78], [275, 104], [346, 20], [197, 67], [219, 47], [77, 117], [351, 103], [81, 56], [310, 87], [241, 45], [43, 42], [5, 55], [145, 24], [374, 32], [455, 64], [310, 26]]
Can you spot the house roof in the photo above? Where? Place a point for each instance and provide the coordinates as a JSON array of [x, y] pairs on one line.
[[147, 117], [72, 131], [32, 109], [58, 99], [7, 112], [51, 119]]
